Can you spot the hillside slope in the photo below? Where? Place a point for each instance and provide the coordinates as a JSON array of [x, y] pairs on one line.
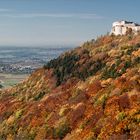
[[91, 92]]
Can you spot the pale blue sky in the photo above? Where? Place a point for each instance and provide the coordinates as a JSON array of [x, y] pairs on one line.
[[60, 22]]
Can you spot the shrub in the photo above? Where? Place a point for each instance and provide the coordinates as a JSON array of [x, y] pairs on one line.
[[32, 134], [63, 111], [39, 96], [84, 124], [61, 131], [112, 71], [137, 60], [27, 134], [1, 86], [121, 116], [18, 114], [7, 114], [136, 118], [79, 65], [101, 101]]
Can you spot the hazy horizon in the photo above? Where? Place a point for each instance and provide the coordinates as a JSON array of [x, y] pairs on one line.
[[60, 22], [43, 46]]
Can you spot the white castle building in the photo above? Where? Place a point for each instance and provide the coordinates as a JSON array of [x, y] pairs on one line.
[[121, 27]]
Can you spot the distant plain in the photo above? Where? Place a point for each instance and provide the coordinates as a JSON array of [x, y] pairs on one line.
[[8, 80], [17, 57]]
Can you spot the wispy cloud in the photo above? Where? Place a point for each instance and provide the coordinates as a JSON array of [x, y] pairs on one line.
[[5, 10], [51, 15]]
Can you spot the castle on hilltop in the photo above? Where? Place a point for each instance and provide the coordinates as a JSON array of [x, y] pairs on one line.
[[121, 27]]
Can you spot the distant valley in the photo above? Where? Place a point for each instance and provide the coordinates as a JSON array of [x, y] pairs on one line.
[[16, 63]]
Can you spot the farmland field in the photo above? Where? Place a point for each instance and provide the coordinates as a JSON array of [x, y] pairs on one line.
[[8, 80]]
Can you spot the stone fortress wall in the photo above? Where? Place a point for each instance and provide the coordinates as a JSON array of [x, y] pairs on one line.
[[121, 27]]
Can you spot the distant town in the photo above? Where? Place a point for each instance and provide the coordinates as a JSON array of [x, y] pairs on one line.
[[26, 60], [17, 63], [18, 68]]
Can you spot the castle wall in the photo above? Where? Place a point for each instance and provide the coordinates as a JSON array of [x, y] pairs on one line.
[[124, 30], [121, 27], [118, 30]]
